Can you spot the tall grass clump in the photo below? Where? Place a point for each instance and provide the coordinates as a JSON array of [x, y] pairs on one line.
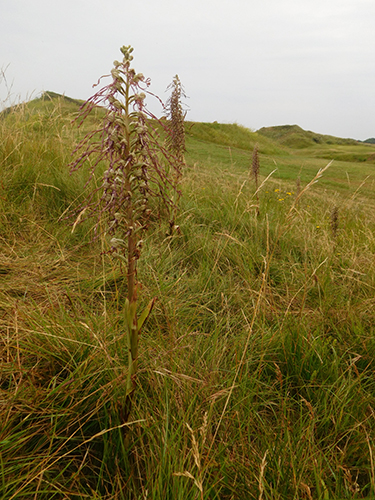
[[36, 139]]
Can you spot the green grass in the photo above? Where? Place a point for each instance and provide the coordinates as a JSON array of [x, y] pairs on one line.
[[231, 135], [256, 376]]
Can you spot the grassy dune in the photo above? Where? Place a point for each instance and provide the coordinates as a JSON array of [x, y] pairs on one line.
[[257, 365]]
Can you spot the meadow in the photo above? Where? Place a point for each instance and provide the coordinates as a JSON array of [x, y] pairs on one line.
[[256, 375]]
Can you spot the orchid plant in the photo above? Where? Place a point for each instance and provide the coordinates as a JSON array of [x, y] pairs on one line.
[[139, 169]]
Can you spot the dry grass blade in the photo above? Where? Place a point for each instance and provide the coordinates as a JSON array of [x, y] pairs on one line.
[[307, 187], [261, 475], [60, 457]]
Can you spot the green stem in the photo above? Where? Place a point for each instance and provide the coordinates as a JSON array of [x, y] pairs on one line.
[[131, 302]]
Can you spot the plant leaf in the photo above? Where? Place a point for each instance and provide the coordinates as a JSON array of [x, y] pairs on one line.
[[145, 313]]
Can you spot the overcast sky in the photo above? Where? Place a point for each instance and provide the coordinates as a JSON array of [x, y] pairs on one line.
[[255, 62]]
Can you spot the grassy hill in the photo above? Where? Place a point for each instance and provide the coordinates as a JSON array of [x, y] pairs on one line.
[[256, 368], [233, 136], [295, 137], [311, 144]]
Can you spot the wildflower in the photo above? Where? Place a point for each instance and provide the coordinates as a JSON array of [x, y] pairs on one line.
[[140, 172], [255, 167]]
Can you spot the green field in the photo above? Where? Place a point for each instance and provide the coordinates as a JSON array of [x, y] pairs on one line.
[[257, 365]]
